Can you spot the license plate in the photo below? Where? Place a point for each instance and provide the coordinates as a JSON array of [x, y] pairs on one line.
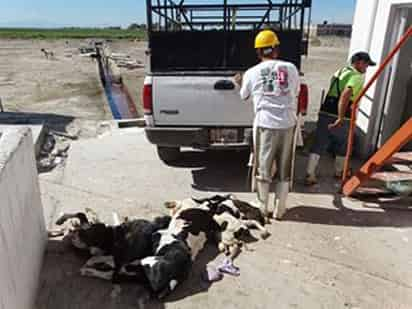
[[224, 136]]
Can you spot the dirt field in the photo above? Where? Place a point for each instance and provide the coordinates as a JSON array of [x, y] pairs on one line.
[[66, 85], [318, 68], [69, 85]]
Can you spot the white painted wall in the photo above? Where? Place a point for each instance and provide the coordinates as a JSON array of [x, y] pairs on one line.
[[363, 26], [22, 229], [373, 28], [394, 116]]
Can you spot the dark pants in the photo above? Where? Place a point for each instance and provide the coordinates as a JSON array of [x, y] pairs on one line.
[[335, 139]]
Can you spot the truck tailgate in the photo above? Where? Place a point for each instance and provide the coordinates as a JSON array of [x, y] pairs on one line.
[[194, 101]]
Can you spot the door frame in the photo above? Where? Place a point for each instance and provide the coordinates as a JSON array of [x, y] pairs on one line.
[[397, 25]]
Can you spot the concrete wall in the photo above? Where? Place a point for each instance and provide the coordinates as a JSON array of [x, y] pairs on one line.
[[22, 229], [374, 28]]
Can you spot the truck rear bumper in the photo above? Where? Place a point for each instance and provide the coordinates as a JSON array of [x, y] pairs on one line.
[[188, 137], [178, 137]]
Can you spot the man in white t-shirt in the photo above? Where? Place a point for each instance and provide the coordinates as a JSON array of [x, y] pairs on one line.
[[274, 86]]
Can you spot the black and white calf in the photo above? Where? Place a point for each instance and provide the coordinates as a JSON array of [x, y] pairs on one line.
[[237, 208], [174, 248], [125, 242], [235, 218], [160, 254], [177, 247], [250, 215]]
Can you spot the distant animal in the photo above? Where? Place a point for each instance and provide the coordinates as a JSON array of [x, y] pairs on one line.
[[47, 53]]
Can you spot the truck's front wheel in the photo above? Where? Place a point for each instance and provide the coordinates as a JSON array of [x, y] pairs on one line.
[[168, 154]]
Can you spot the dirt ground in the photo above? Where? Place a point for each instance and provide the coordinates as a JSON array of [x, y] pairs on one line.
[[69, 85], [318, 68], [65, 87], [133, 79], [64, 84]]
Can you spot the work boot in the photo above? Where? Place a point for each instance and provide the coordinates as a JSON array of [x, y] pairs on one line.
[[311, 169], [282, 191], [339, 164], [263, 196], [275, 203]]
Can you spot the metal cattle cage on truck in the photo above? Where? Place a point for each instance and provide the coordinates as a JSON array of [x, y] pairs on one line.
[[194, 50]]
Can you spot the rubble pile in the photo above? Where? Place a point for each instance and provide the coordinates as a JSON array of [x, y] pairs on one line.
[[54, 152], [125, 61]]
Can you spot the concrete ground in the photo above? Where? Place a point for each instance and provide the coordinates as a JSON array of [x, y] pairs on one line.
[[327, 253]]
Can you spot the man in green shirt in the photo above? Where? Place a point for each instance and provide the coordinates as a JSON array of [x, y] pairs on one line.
[[335, 113]]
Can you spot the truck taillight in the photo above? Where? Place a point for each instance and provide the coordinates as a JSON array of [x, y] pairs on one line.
[[303, 99], [147, 99]]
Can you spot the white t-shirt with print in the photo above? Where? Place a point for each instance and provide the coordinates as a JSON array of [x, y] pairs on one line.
[[274, 86]]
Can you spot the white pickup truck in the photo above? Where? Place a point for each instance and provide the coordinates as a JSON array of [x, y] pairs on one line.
[[189, 96]]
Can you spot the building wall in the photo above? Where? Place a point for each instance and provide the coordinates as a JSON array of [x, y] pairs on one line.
[[373, 27], [364, 21], [396, 111], [22, 229]]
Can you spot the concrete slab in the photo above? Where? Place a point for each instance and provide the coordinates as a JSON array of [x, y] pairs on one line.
[[38, 133], [327, 253], [22, 229]]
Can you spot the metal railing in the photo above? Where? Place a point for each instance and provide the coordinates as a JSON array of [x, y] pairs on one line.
[[379, 71], [169, 15]]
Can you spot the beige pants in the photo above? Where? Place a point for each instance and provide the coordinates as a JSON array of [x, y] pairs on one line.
[[274, 146]]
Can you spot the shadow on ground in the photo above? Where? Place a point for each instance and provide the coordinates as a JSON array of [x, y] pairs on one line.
[[195, 285], [216, 171], [53, 121], [227, 171], [61, 285], [350, 217]]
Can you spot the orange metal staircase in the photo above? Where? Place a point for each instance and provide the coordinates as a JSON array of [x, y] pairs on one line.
[[384, 155], [387, 152]]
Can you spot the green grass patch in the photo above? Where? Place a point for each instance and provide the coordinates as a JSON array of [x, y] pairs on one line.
[[71, 33]]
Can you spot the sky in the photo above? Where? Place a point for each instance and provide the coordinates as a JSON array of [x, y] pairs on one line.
[[98, 13]]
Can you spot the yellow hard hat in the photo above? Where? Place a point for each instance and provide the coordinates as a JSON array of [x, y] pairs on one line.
[[266, 38]]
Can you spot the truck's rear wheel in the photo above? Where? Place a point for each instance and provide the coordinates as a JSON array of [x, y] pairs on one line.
[[168, 154]]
